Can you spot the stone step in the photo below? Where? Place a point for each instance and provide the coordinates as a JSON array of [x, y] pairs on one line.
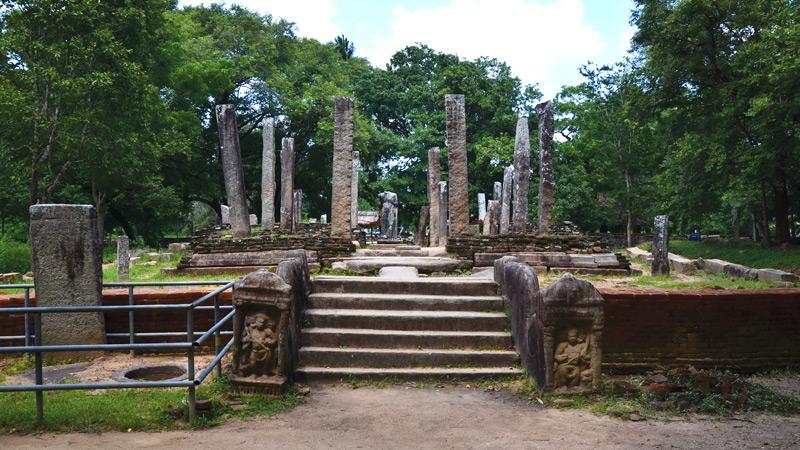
[[406, 320], [345, 374], [335, 337], [422, 286], [406, 302], [424, 264], [393, 247], [390, 357], [389, 253]]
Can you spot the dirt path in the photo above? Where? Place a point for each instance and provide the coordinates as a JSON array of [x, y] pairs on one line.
[[397, 417]]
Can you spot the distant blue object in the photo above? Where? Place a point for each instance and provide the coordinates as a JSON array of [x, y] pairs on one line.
[[695, 236]]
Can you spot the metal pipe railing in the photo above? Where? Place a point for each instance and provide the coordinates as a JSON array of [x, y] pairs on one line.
[[188, 345]]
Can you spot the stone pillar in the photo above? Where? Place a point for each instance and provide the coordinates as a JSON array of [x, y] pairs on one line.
[[67, 266], [261, 329], [341, 196], [424, 219], [491, 223], [389, 215], [354, 190], [323, 219], [287, 183], [505, 205], [268, 174], [547, 182], [497, 191], [660, 264], [225, 214], [481, 205], [232, 170], [444, 229], [123, 257], [571, 324], [522, 176], [434, 177], [458, 197], [297, 208]]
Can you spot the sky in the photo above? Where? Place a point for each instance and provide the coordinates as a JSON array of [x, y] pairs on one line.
[[543, 41]]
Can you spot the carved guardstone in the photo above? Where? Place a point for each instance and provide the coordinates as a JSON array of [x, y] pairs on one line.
[[572, 327], [262, 361]]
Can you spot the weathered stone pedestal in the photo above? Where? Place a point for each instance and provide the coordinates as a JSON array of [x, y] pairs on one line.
[[261, 326]]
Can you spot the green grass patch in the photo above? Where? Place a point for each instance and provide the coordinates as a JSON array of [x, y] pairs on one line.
[[745, 253], [134, 409]]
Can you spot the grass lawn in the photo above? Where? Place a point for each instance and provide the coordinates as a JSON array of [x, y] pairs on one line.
[[743, 252], [128, 409]]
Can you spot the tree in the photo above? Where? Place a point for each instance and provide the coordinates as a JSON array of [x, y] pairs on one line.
[[344, 47]]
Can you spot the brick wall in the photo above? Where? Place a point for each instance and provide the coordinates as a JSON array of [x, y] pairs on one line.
[[739, 329], [466, 246]]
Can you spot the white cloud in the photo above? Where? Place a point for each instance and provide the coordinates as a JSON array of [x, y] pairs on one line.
[[313, 18], [543, 42]]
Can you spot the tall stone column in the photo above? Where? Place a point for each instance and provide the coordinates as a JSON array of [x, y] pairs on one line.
[[297, 208], [268, 174], [232, 170], [287, 183], [424, 218], [497, 191], [354, 190], [458, 197], [434, 177], [481, 205], [660, 264], [67, 266], [341, 196], [491, 223], [522, 176], [547, 182], [505, 203], [444, 229], [123, 257]]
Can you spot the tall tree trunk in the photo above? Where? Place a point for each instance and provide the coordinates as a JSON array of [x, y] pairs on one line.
[[100, 206], [629, 224], [781, 209], [737, 223], [754, 225], [764, 218]]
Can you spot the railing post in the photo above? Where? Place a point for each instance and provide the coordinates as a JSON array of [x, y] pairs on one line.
[[39, 377], [131, 328], [190, 362], [217, 336], [27, 318]]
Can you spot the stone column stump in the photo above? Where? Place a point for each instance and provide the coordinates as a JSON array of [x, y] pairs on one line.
[[123, 257], [660, 265]]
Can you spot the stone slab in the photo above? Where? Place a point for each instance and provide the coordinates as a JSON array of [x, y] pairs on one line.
[[423, 264], [590, 271], [775, 275], [398, 272], [266, 258]]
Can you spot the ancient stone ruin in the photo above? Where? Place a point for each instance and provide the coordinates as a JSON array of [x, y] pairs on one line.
[[233, 170]]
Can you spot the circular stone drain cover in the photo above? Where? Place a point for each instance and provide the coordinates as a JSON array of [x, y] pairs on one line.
[[151, 372]]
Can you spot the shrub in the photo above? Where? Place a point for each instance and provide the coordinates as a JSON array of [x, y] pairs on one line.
[[15, 256]]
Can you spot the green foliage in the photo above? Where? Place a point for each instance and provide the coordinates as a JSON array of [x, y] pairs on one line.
[[741, 252], [15, 256]]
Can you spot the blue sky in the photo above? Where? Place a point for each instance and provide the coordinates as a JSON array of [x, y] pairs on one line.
[[544, 41]]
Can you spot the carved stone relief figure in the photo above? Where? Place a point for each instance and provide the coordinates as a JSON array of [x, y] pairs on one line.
[[572, 366], [257, 357]]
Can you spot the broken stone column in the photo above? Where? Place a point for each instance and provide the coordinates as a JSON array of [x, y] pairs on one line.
[[434, 177], [341, 197], [571, 335], [287, 183], [232, 170], [225, 215], [424, 218], [497, 192], [389, 215], [268, 174], [660, 265], [354, 190], [505, 205], [444, 229], [458, 197], [323, 219], [67, 266], [123, 257], [261, 329], [491, 223], [522, 176], [297, 208], [547, 182], [481, 205]]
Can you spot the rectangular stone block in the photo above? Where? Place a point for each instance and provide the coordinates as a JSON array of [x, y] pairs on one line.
[[67, 267], [341, 202], [775, 275]]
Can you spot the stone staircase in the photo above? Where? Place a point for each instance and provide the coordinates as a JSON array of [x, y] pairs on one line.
[[370, 327]]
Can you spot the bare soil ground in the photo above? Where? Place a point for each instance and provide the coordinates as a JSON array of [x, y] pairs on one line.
[[449, 417]]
